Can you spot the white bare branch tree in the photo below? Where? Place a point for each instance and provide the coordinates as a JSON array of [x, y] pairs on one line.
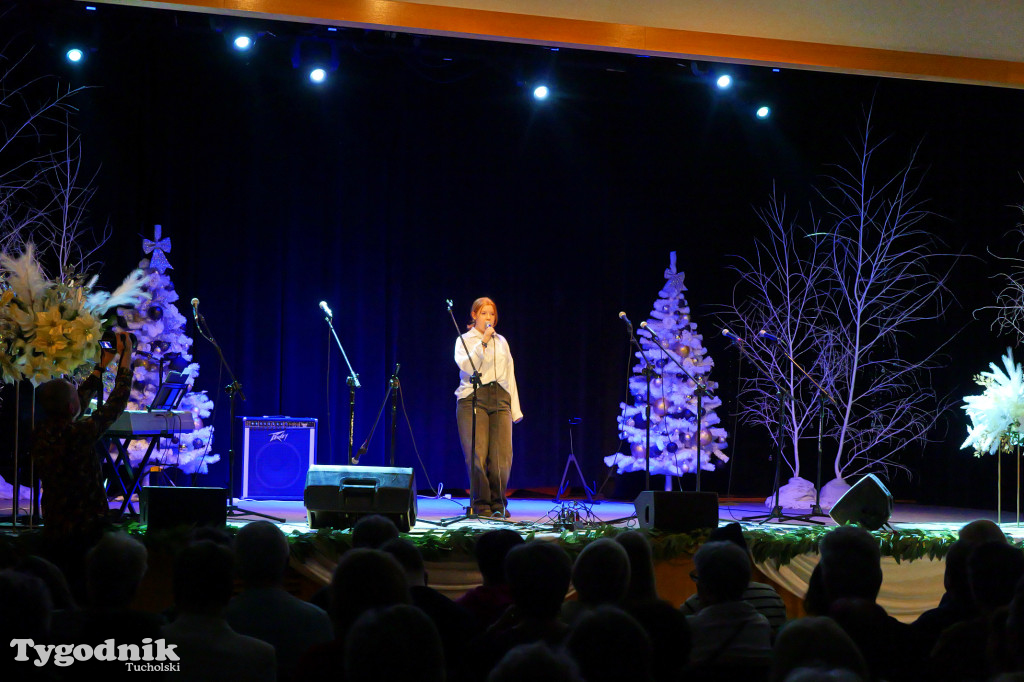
[[887, 276], [781, 289], [42, 196]]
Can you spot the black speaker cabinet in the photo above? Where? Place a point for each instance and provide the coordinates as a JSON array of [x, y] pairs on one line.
[[677, 512], [868, 503], [277, 453], [337, 496], [167, 506]]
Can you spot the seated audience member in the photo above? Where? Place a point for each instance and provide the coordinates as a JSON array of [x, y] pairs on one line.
[[264, 609], [820, 674], [851, 575], [538, 575], [487, 602], [762, 597], [114, 569], [816, 642], [394, 644], [956, 604], [204, 578], [669, 634], [600, 576], [642, 586], [364, 579], [609, 646], [55, 581], [961, 653], [1008, 649], [537, 663], [25, 609], [369, 532], [727, 631], [815, 600], [450, 619]]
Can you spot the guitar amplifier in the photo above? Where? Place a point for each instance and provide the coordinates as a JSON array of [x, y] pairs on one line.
[[277, 452]]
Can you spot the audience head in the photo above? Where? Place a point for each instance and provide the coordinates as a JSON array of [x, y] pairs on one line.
[[365, 579], [538, 575], [993, 570], [57, 399], [723, 572], [491, 549], [851, 564], [641, 566], [536, 663], [597, 642], [114, 568], [262, 552], [730, 532], [394, 644], [670, 636], [409, 558], [373, 531], [815, 642], [601, 573], [954, 578], [204, 577], [25, 607], [981, 531], [819, 674], [52, 576]]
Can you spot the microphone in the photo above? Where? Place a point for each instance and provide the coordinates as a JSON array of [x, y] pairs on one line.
[[327, 309], [629, 325], [195, 310], [361, 451], [644, 325], [767, 336], [732, 337]]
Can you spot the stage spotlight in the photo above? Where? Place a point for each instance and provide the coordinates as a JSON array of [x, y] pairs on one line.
[[75, 55], [541, 92], [724, 81], [318, 75], [242, 42], [764, 112]]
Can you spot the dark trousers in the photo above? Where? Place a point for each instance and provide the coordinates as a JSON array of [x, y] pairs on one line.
[[489, 467]]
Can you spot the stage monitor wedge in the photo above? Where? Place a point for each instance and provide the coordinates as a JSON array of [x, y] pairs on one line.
[[337, 496], [868, 503], [676, 512]]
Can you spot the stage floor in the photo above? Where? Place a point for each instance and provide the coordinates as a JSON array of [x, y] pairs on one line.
[[542, 514]]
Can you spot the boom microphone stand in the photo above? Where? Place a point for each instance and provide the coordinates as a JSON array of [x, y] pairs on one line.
[[647, 372], [780, 397], [700, 392], [352, 380], [232, 389]]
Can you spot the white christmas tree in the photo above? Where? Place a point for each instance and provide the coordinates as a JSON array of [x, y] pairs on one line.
[[673, 394], [160, 329]]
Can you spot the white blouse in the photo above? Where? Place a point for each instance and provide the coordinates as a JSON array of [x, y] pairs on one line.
[[494, 364]]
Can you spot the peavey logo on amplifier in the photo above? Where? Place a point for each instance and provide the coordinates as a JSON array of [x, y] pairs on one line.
[[279, 436]]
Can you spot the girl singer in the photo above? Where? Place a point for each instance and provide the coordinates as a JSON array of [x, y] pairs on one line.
[[497, 409]]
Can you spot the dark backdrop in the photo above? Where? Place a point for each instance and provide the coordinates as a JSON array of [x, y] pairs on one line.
[[424, 171]]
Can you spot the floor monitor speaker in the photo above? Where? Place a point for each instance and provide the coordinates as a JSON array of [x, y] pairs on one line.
[[337, 496], [677, 512], [868, 503]]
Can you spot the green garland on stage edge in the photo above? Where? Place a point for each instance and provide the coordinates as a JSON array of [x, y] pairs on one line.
[[779, 546]]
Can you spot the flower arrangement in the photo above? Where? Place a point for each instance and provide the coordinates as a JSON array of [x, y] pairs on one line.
[[52, 328], [997, 415]]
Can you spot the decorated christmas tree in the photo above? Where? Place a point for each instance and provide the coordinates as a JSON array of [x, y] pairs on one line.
[[673, 394], [160, 329]]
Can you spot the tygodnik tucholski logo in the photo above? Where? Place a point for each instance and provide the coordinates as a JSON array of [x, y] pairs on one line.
[[149, 656]]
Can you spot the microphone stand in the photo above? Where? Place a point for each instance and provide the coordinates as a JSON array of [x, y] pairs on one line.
[[232, 389], [700, 392], [780, 397], [392, 393], [647, 372], [353, 384]]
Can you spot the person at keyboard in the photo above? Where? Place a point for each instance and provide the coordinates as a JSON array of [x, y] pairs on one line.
[[74, 503]]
